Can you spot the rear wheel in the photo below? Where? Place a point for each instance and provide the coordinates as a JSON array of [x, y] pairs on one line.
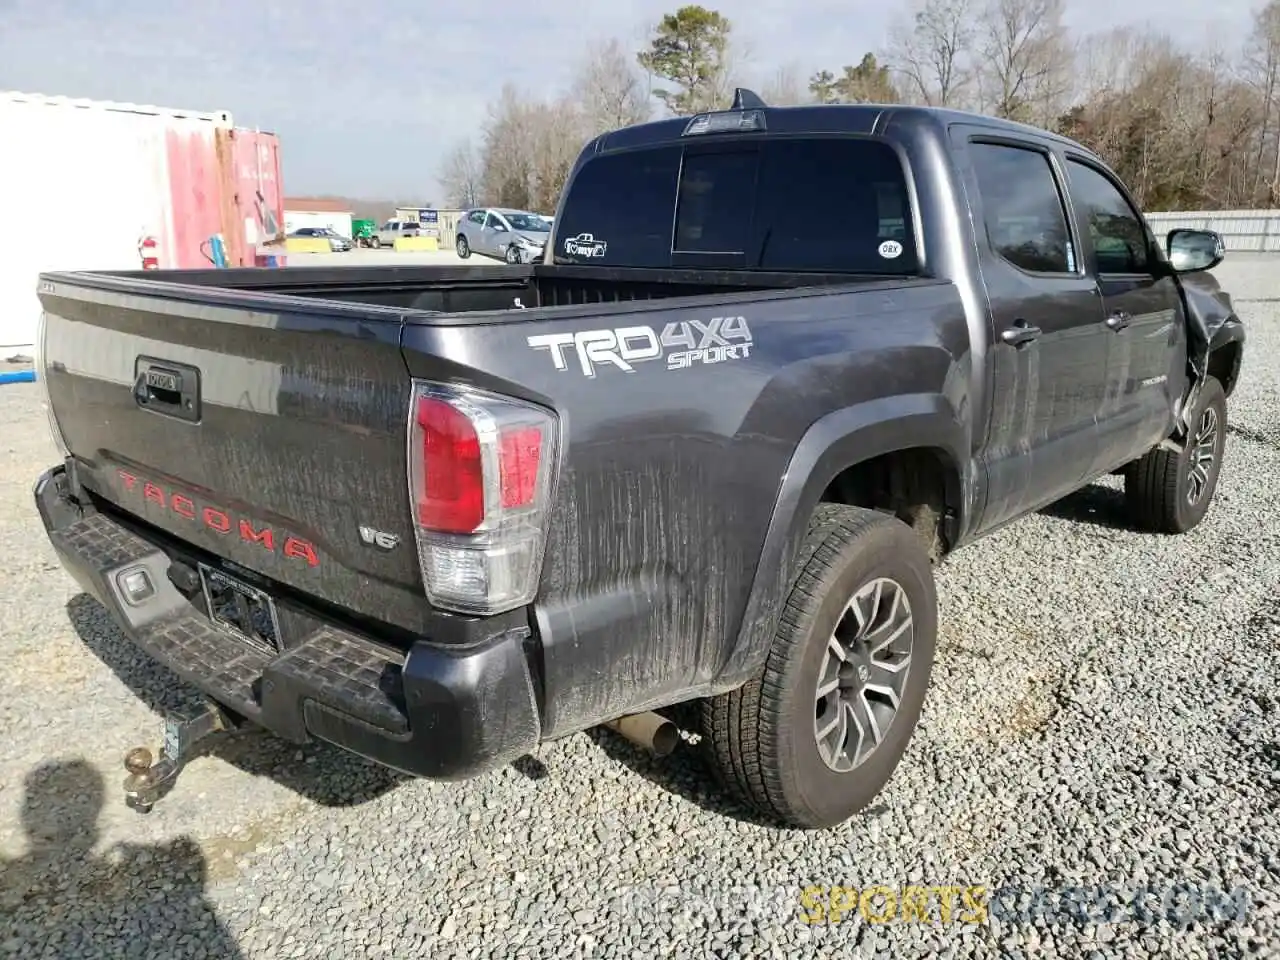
[[1169, 491], [819, 732], [463, 248]]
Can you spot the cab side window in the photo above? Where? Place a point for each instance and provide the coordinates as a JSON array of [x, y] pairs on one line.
[[1025, 218], [1120, 242]]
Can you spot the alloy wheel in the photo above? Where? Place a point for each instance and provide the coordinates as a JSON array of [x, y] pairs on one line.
[[863, 675], [1204, 451]]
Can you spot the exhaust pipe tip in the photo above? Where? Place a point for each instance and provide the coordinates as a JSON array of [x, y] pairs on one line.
[[652, 731]]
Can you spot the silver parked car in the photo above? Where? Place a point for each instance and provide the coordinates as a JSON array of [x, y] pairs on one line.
[[395, 228], [514, 236]]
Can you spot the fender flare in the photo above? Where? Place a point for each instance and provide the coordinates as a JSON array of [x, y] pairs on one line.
[[832, 444]]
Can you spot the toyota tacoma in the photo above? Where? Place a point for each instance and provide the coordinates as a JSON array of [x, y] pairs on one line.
[[774, 364]]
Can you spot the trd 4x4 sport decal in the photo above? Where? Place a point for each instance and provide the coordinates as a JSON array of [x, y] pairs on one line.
[[717, 340]]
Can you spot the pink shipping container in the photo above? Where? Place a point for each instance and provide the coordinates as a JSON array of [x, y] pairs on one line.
[[85, 181]]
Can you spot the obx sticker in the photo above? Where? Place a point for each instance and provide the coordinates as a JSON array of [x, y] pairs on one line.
[[890, 249]]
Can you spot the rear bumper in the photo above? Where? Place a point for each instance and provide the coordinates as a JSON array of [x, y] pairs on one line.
[[439, 712]]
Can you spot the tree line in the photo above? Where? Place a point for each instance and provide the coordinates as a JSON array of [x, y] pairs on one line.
[[1187, 129]]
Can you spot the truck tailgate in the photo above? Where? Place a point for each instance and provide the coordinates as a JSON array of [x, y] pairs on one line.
[[263, 430]]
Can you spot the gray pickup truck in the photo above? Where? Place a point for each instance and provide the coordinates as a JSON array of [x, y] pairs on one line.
[[774, 365]]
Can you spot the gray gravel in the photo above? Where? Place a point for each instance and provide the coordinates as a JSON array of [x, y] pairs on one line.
[[1105, 715]]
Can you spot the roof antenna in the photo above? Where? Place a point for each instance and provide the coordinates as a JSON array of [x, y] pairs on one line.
[[744, 99]]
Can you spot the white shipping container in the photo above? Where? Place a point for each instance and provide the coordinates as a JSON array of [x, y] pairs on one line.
[[81, 182], [297, 219]]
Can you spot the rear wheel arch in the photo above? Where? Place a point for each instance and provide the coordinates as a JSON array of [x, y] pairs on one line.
[[921, 486], [899, 440]]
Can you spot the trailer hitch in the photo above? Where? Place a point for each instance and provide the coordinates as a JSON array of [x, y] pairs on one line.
[[151, 779]]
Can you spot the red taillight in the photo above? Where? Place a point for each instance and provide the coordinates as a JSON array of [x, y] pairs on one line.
[[452, 496], [480, 470]]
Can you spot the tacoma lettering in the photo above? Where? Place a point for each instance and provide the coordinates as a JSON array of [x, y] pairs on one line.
[[219, 521]]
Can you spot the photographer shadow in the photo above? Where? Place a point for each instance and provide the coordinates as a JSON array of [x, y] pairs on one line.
[[61, 894]]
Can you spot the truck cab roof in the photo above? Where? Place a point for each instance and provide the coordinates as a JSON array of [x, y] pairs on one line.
[[833, 118]]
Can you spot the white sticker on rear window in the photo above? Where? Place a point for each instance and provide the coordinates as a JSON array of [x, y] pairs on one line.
[[585, 245], [890, 249]]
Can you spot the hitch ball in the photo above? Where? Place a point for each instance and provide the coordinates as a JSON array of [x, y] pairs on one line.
[[138, 761]]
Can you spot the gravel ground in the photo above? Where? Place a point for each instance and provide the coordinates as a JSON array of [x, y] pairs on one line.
[[1105, 715]]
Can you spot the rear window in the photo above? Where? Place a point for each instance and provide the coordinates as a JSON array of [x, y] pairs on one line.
[[793, 205]]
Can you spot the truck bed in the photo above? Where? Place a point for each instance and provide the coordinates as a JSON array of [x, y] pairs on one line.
[[467, 289]]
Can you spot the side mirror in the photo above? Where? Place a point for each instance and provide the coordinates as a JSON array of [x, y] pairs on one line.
[[500, 228], [1193, 250]]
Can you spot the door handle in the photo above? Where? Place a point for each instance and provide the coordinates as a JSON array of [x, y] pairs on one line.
[[1019, 333], [1118, 320]]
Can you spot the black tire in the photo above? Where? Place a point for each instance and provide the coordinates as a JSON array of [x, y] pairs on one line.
[[762, 737], [1158, 487], [462, 247], [513, 255], [377, 242]]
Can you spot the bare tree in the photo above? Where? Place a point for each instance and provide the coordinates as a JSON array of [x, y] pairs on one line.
[[786, 88], [931, 53], [1261, 70], [505, 150], [529, 148], [609, 90], [557, 133], [1025, 58], [462, 176]]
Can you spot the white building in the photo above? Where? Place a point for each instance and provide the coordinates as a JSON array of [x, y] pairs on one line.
[[302, 212]]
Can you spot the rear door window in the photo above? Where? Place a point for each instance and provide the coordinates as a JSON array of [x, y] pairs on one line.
[[786, 204], [1023, 212]]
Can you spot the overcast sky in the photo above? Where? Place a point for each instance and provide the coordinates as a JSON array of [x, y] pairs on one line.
[[368, 96]]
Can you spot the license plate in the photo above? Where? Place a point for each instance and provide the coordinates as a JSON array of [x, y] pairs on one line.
[[241, 609]]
